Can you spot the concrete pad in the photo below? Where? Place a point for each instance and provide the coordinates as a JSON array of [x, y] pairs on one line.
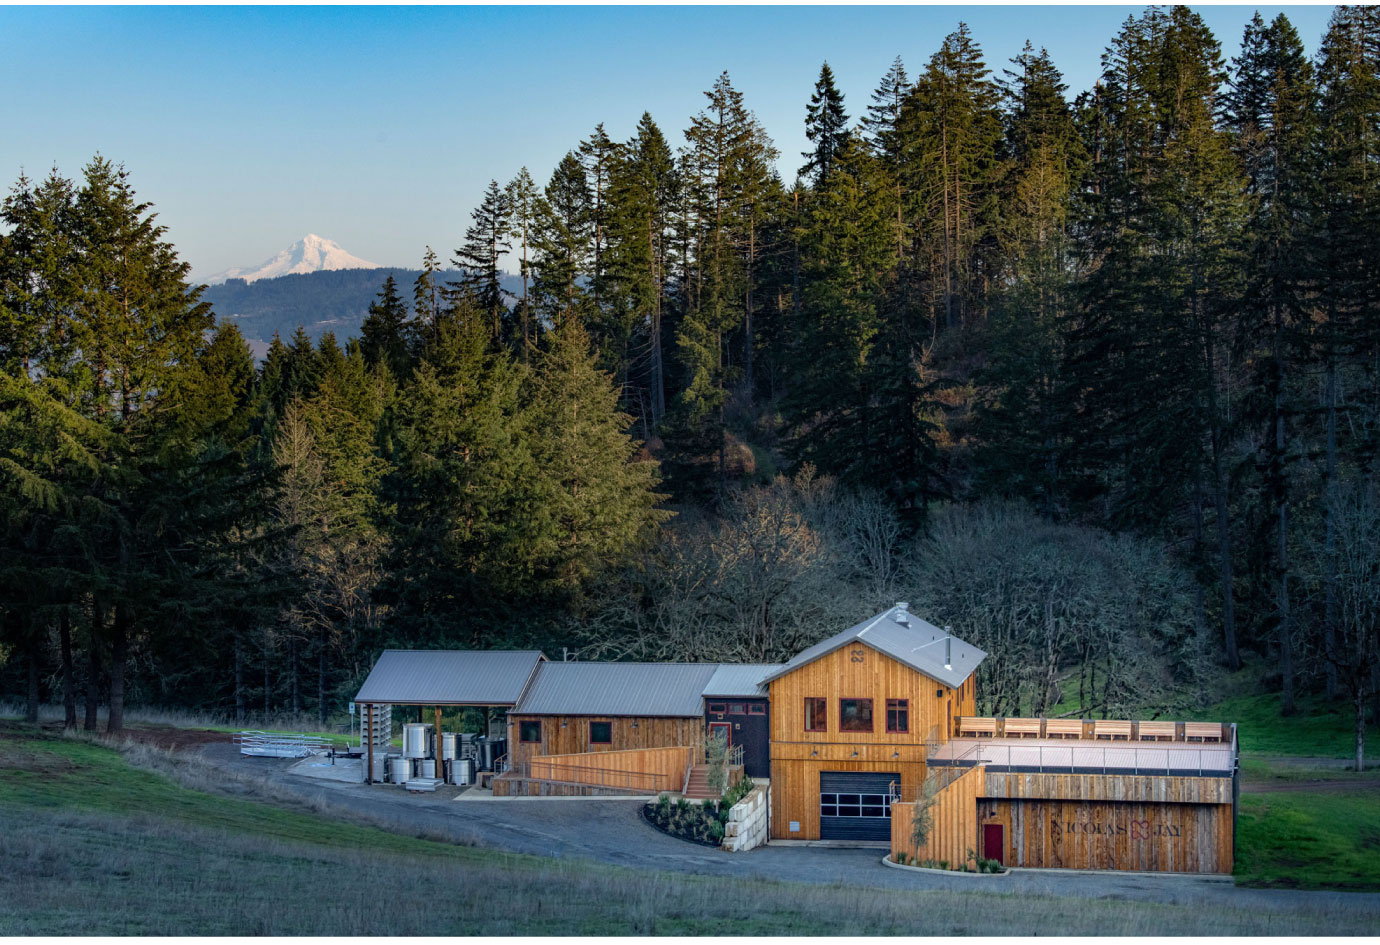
[[319, 766]]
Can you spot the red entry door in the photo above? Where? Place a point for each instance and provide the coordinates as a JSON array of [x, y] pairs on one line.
[[722, 728], [994, 843]]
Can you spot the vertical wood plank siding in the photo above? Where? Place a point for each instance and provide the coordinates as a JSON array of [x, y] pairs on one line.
[[1109, 835], [855, 671], [651, 770], [573, 738], [954, 830]]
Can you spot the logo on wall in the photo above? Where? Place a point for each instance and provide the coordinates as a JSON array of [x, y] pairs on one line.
[[856, 655], [1136, 829]]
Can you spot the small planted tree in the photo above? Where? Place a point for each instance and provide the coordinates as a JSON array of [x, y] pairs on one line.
[[715, 755], [923, 820]]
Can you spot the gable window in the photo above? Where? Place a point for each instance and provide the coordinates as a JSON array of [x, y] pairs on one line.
[[756, 708], [898, 715], [816, 712], [529, 731], [601, 733], [855, 715], [717, 707], [736, 708]]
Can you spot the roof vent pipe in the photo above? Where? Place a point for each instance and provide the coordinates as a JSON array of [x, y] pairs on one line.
[[948, 649], [902, 614]]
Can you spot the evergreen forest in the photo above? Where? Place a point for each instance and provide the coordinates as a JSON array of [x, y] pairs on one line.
[[1092, 378]]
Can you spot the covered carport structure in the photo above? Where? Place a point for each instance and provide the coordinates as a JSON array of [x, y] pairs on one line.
[[442, 679]]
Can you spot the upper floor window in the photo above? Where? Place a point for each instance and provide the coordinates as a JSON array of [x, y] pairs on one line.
[[816, 713], [601, 733], [898, 715], [529, 731], [855, 715]]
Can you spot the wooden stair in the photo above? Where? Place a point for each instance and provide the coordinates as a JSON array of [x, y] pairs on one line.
[[697, 785]]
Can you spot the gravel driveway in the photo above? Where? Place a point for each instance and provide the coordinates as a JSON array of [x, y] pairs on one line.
[[610, 830]]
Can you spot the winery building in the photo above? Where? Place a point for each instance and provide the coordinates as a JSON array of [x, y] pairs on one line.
[[854, 734]]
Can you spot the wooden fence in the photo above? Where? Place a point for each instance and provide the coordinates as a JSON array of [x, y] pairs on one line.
[[644, 770], [953, 831]]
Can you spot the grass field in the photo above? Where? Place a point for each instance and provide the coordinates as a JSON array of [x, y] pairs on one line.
[[94, 844], [1310, 840]]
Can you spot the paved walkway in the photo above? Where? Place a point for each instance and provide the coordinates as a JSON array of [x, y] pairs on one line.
[[611, 830]]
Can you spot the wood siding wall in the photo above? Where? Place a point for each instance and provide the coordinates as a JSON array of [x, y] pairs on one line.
[[795, 791], [854, 672], [641, 770], [859, 672], [1109, 835], [1106, 787], [954, 829], [573, 738]]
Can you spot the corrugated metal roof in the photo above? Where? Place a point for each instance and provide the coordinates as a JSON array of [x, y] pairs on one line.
[[917, 643], [449, 677], [646, 689], [739, 679]]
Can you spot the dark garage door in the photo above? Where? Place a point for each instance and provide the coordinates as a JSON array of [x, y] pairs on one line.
[[855, 805]]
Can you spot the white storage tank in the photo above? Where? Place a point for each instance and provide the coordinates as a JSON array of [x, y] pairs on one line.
[[399, 769], [416, 740], [449, 744], [428, 767]]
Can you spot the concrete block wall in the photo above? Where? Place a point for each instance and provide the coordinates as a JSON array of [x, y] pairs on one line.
[[748, 821]]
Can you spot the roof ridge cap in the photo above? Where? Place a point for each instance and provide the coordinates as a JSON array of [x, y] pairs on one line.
[[874, 621]]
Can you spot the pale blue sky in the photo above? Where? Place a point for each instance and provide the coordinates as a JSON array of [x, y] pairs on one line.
[[379, 127]]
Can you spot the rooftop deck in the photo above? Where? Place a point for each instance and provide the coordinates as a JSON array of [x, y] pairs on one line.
[[1088, 756]]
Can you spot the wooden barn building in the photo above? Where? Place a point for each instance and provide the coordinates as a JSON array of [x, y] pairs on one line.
[[854, 734]]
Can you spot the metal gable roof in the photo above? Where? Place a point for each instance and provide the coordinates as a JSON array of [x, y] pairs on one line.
[[739, 679], [630, 689], [917, 643], [449, 677]]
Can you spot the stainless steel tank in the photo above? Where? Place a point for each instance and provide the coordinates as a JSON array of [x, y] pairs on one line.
[[380, 766], [399, 769], [449, 744], [464, 771], [416, 736], [427, 767]]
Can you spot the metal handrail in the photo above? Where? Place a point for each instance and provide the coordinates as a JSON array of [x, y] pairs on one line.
[[1128, 758], [734, 756], [280, 744]]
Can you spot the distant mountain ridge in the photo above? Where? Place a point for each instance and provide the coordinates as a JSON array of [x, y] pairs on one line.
[[332, 300], [310, 254]]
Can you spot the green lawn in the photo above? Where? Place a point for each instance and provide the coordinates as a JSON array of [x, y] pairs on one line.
[[1310, 840], [94, 845]]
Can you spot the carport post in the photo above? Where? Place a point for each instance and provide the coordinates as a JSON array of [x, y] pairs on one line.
[[440, 765], [369, 762]]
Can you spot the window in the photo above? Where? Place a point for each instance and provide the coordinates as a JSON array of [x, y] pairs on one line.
[[717, 707], [529, 731], [855, 715], [816, 711], [855, 805], [756, 708], [601, 733], [736, 708], [898, 715]]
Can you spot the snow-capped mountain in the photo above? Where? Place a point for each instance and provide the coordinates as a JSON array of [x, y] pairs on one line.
[[310, 254]]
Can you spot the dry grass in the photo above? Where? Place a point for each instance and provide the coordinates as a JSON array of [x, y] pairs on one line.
[[151, 842]]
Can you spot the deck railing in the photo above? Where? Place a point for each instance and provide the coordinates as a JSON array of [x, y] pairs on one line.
[[1075, 758]]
